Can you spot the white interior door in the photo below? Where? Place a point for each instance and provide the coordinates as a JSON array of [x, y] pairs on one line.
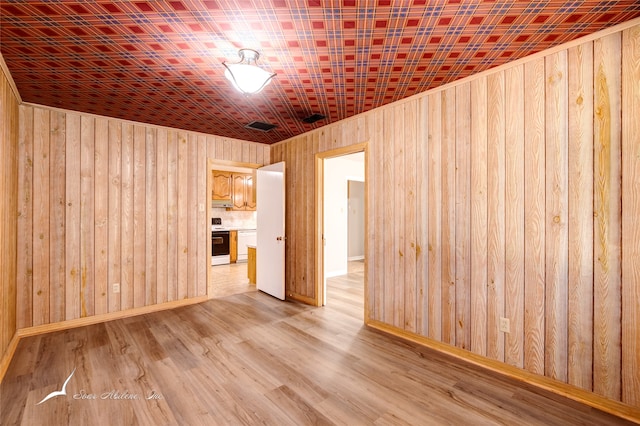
[[270, 229]]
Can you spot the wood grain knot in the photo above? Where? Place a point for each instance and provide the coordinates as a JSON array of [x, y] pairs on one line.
[[556, 219]]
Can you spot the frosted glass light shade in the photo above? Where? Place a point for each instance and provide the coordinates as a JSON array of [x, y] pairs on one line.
[[245, 76]]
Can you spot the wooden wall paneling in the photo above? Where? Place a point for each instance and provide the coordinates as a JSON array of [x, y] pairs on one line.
[[227, 150], [260, 158], [236, 151], [557, 208], [299, 180], [6, 332], [87, 215], [72, 216], [462, 216], [448, 184], [580, 185], [211, 148], [101, 223], [172, 215], [534, 171], [253, 153], [192, 215], [336, 136], [41, 132], [287, 153], [24, 277], [57, 224], [182, 219], [410, 219], [246, 156], [422, 216], [631, 208], [219, 152], [266, 155], [400, 206], [478, 216], [162, 192], [9, 288], [202, 229], [297, 242], [323, 140], [435, 215], [139, 214], [114, 273], [9, 140], [388, 200], [514, 215], [607, 226], [151, 218], [310, 208], [127, 242], [495, 215], [376, 218]]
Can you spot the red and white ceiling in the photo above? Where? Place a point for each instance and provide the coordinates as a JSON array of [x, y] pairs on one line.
[[160, 62]]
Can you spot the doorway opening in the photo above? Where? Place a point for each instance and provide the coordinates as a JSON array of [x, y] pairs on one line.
[[230, 277], [341, 241]]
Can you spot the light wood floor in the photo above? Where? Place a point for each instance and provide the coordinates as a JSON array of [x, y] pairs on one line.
[[252, 359], [230, 279]]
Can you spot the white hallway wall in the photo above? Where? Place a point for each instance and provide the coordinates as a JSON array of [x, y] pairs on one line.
[[338, 171]]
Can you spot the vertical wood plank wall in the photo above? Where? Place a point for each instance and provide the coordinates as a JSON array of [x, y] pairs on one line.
[[8, 208], [527, 208], [103, 201]]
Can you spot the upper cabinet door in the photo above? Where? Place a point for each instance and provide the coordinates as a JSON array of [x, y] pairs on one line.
[[244, 193], [239, 199], [250, 192], [221, 185]]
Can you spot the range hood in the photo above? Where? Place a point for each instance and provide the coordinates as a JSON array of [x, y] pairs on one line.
[[221, 203]]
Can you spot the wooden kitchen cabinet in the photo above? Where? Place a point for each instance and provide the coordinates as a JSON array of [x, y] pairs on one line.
[[233, 246], [251, 264], [244, 194], [222, 185], [249, 185]]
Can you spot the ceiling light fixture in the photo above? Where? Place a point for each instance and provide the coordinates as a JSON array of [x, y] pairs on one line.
[[246, 75]]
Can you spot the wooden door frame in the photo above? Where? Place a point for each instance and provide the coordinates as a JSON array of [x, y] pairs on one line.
[[319, 218], [215, 164]]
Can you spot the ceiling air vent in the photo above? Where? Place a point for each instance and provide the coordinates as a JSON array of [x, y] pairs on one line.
[[259, 125], [313, 118]]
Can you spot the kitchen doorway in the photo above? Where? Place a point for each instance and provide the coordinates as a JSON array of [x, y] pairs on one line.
[[341, 245], [228, 278]]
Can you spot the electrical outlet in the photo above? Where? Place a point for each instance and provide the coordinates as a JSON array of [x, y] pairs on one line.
[[505, 325], [116, 288]]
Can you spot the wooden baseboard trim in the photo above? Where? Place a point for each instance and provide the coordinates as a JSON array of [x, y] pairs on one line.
[[8, 355], [96, 319], [591, 399]]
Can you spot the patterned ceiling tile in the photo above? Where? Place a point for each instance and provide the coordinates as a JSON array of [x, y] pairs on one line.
[[160, 62]]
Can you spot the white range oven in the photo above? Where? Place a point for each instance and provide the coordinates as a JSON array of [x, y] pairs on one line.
[[219, 243]]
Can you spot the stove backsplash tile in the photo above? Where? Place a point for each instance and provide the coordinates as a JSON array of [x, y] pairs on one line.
[[235, 220]]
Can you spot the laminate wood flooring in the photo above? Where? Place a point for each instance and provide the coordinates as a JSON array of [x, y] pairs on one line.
[[251, 359], [230, 279]]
